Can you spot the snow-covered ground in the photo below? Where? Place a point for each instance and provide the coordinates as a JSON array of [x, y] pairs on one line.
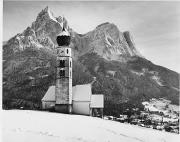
[[28, 126], [157, 80]]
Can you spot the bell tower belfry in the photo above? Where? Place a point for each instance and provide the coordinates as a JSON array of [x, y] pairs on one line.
[[63, 89]]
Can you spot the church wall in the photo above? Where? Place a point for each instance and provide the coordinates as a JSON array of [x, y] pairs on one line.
[[81, 107], [48, 104]]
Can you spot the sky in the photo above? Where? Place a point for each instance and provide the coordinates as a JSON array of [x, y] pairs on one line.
[[155, 26]]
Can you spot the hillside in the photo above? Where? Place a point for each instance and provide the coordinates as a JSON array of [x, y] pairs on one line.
[[42, 127], [123, 75]]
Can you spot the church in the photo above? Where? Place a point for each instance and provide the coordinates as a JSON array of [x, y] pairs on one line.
[[63, 97]]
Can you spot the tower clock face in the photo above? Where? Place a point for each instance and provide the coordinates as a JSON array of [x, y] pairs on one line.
[[62, 51]]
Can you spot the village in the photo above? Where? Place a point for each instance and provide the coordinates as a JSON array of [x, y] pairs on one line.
[[165, 117]]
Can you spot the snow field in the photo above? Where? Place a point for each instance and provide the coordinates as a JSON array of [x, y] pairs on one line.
[[28, 126]]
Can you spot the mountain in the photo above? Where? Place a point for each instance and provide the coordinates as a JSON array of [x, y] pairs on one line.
[[107, 41], [123, 75]]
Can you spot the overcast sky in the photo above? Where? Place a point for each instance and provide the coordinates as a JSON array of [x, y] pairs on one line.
[[155, 26]]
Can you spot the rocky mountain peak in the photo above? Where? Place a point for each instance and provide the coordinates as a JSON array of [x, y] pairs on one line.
[[47, 27], [106, 24], [42, 33], [46, 8], [44, 17], [108, 28], [46, 12], [107, 41], [29, 32]]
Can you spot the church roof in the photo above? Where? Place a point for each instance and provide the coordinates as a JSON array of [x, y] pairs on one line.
[[82, 92], [79, 93], [50, 94]]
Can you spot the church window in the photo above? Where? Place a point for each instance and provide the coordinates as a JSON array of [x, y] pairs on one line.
[[62, 63], [62, 73]]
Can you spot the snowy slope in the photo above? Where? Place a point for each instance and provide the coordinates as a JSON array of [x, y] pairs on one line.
[[28, 126]]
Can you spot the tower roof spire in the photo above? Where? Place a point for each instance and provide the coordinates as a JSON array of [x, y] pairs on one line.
[[64, 30], [63, 39]]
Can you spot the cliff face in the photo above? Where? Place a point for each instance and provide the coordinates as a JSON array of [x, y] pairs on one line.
[[107, 41], [122, 73], [131, 43], [41, 34]]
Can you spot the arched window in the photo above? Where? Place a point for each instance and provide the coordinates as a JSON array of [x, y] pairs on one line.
[[62, 63], [62, 73], [67, 51]]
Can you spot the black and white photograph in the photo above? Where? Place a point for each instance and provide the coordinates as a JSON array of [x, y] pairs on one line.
[[90, 71]]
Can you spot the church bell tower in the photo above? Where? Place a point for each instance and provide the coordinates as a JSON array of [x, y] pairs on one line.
[[63, 91]]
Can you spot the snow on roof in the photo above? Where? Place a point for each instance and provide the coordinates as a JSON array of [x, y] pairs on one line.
[[145, 103], [50, 94], [73, 90], [97, 101], [82, 92], [151, 108], [165, 119]]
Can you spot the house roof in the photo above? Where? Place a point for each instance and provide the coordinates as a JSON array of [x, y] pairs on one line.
[[82, 92], [97, 101], [50, 94]]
